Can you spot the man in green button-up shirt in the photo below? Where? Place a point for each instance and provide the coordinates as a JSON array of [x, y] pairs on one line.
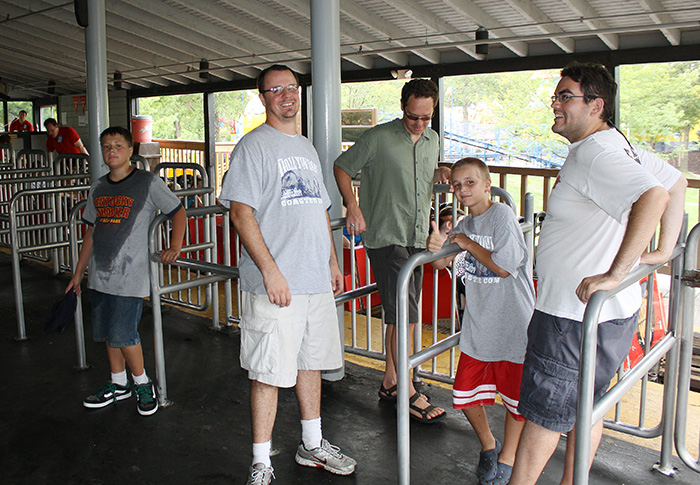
[[399, 165]]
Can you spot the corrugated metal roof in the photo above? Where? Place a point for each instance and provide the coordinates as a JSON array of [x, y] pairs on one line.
[[160, 43]]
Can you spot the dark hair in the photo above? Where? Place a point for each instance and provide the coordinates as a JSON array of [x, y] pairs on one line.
[[478, 163], [23, 111], [118, 130], [50, 121], [419, 88], [596, 82], [274, 67]]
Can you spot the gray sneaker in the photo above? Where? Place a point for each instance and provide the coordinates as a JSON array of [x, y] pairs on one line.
[[260, 475], [327, 457]]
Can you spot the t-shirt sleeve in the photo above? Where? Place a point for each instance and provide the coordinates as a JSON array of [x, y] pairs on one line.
[[73, 136], [244, 179], [355, 157], [665, 173], [163, 198], [510, 250], [90, 213]]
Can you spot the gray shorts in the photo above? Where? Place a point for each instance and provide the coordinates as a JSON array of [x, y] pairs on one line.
[[386, 264], [278, 342], [549, 386]]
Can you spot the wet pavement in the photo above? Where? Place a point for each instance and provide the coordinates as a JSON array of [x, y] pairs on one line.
[[47, 436]]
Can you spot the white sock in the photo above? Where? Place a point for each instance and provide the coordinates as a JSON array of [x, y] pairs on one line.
[[311, 433], [261, 453], [119, 378], [142, 379]]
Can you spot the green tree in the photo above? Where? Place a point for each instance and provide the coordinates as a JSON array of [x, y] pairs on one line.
[[176, 117], [661, 102]]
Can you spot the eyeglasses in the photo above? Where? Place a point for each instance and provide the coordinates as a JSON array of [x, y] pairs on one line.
[[413, 117], [564, 97], [278, 89]]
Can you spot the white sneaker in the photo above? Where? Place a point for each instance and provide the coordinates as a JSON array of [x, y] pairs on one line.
[[327, 457], [260, 475]]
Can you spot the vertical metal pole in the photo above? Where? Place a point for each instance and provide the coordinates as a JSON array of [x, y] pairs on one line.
[[96, 62], [584, 409], [325, 76], [16, 276], [403, 445], [156, 309], [79, 327]]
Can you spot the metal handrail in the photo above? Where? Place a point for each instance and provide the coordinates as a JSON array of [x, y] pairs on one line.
[[586, 413], [18, 248], [404, 363], [690, 278]]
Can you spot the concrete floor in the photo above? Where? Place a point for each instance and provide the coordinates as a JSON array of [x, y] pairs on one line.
[[46, 436]]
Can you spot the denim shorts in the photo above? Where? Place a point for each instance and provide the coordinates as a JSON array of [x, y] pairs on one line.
[[549, 387], [386, 264], [115, 319]]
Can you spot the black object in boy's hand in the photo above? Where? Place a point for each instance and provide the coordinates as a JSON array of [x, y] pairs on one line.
[[61, 312]]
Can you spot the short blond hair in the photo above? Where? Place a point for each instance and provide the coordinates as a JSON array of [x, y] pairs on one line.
[[482, 168]]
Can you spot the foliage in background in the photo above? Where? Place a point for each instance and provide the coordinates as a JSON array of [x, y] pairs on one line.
[[177, 117]]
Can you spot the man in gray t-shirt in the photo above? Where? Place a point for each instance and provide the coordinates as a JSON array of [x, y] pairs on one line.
[[289, 275]]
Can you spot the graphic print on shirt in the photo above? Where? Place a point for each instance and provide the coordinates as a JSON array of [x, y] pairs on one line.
[[476, 272], [113, 225], [299, 180]]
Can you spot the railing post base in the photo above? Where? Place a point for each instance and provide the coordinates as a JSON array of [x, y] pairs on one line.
[[668, 471]]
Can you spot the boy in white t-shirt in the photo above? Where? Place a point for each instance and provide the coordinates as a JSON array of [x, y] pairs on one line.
[[499, 302]]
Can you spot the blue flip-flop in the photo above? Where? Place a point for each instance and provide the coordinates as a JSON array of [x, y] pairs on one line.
[[488, 464]]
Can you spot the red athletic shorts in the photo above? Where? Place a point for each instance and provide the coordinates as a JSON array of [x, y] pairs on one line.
[[477, 382]]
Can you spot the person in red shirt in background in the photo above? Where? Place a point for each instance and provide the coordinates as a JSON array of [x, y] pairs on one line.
[[63, 139], [21, 123]]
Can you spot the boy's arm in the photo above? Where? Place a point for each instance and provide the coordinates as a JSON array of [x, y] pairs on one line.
[[337, 282], [83, 260], [434, 244], [482, 254], [178, 233]]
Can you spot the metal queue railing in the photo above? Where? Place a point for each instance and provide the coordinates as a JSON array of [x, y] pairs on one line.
[[442, 195], [667, 347], [190, 182], [76, 232], [406, 364], [691, 280], [201, 273], [41, 222], [31, 158], [7, 156]]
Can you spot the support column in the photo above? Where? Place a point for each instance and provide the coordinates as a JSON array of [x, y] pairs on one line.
[[325, 79], [98, 104]]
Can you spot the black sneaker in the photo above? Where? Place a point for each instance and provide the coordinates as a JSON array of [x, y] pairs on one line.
[[146, 401], [110, 393]]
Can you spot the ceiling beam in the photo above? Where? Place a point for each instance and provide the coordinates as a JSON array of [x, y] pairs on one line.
[[544, 23], [584, 10], [672, 35]]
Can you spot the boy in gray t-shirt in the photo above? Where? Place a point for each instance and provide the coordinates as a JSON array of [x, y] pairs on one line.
[[500, 299], [121, 206]]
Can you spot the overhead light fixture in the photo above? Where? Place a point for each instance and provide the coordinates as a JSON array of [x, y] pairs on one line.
[[482, 34], [117, 80], [402, 74]]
